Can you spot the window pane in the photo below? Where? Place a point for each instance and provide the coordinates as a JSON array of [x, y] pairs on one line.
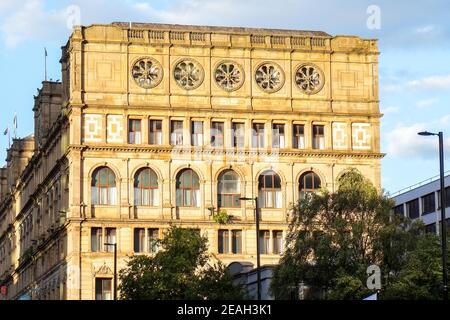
[[139, 235], [237, 241], [96, 239], [153, 236], [238, 135], [277, 242], [223, 241]]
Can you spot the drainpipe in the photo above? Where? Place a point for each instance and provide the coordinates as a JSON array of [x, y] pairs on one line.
[[80, 259]]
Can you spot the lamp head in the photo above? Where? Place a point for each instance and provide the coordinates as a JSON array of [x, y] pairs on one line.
[[426, 133]]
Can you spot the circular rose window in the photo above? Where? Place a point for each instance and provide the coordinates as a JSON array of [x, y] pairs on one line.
[[309, 78], [188, 74], [229, 75], [147, 73], [269, 76]]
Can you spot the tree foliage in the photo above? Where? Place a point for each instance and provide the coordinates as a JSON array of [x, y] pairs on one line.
[[180, 270], [334, 237]]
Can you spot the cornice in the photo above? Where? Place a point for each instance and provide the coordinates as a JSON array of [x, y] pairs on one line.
[[231, 152]]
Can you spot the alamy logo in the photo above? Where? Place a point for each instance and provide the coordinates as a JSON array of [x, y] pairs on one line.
[[374, 19]]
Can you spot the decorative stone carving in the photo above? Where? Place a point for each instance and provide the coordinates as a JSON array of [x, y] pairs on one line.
[[147, 73], [229, 75], [188, 74], [309, 78], [269, 76]]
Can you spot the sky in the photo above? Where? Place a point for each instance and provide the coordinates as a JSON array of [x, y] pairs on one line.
[[414, 64]]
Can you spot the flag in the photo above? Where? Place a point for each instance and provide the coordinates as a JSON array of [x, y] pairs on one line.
[[6, 131], [45, 51]]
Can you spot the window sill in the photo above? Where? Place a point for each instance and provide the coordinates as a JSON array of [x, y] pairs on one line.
[[104, 205]]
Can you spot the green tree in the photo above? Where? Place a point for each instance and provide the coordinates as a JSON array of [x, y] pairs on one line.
[[180, 270], [334, 237]]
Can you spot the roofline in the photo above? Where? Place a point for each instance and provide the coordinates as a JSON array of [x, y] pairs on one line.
[[217, 29]]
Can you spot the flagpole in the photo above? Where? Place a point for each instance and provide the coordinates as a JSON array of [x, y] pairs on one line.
[[15, 125], [45, 59]]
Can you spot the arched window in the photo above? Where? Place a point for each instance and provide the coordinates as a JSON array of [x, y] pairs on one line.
[[309, 183], [188, 189], [103, 187], [146, 188], [229, 190], [269, 190]]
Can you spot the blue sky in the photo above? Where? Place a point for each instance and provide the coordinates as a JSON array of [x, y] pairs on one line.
[[413, 40]]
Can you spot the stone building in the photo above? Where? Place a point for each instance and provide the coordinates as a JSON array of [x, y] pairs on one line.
[[158, 124]]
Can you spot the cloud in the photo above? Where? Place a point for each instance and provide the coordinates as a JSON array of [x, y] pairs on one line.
[[31, 21], [431, 82], [390, 110], [426, 103], [404, 142], [402, 21], [425, 30]]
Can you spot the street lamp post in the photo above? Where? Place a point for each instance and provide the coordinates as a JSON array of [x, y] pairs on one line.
[[443, 201], [115, 268], [258, 255]]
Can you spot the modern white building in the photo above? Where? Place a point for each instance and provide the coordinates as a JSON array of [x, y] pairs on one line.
[[422, 201]]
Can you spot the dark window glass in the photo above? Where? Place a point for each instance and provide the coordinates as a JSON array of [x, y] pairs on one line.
[[264, 240], [428, 204], [412, 208], [236, 242], [96, 239], [103, 289], [223, 241], [309, 183], [399, 210], [139, 239]]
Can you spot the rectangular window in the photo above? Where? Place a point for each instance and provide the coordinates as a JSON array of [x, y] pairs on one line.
[[298, 139], [153, 236], [258, 135], [197, 133], [446, 200], [277, 237], [236, 241], [278, 137], [399, 210], [176, 133], [412, 208], [223, 241], [238, 135], [430, 228], [139, 239], [103, 289], [134, 131], [155, 132], [110, 237], [318, 137], [96, 239], [428, 204], [264, 239], [217, 129]]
